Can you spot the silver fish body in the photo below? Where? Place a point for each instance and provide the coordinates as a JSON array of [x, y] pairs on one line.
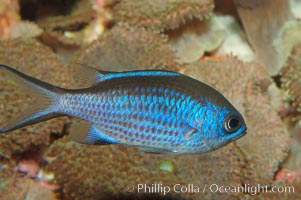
[[158, 111]]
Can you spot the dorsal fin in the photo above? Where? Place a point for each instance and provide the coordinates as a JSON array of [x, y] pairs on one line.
[[112, 75], [89, 76]]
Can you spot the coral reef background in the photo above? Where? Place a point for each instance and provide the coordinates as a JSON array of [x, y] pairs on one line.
[[249, 50]]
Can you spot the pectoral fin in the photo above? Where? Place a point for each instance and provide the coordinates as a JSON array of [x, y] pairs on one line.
[[188, 135]]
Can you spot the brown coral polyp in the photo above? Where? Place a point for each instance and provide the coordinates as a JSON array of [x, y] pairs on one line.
[[56, 26], [291, 78], [262, 21], [161, 15], [122, 49], [37, 60]]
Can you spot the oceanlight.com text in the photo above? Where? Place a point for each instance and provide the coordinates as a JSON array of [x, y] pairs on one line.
[[159, 188]]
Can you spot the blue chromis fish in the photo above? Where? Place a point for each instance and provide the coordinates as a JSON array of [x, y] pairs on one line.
[[157, 111]]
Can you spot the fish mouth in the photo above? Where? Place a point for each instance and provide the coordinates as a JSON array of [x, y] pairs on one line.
[[244, 132], [241, 135]]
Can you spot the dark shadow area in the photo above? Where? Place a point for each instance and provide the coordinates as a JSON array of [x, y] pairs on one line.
[[34, 10]]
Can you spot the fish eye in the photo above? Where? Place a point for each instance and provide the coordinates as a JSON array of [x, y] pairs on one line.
[[232, 123]]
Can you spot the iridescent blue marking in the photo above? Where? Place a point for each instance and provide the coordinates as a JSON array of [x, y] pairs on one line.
[[103, 77]]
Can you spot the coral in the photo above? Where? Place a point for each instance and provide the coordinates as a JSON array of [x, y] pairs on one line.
[[30, 167], [58, 29], [81, 13], [264, 160], [246, 86], [103, 3], [235, 42], [296, 6], [96, 172], [151, 35], [290, 78], [293, 162], [108, 169], [262, 21], [36, 192], [159, 15], [289, 182], [191, 41], [24, 188], [290, 82], [32, 58], [15, 186], [24, 29], [225, 7], [287, 39], [122, 49], [288, 175], [9, 15], [7, 174], [103, 172], [222, 167]]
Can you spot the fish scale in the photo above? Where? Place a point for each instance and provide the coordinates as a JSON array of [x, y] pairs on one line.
[[157, 111], [137, 99], [146, 105]]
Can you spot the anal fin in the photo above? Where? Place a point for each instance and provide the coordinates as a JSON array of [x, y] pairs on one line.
[[154, 150]]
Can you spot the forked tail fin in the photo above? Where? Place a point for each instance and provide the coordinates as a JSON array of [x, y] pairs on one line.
[[43, 109]]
